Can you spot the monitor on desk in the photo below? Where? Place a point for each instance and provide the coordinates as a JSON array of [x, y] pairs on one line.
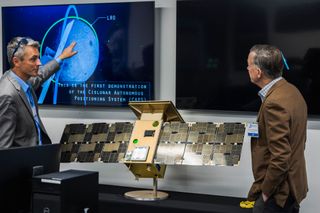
[[17, 167]]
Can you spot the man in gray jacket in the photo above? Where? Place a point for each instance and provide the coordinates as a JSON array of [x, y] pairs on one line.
[[20, 124]]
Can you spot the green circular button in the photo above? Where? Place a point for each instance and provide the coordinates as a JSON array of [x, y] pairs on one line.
[[135, 141], [155, 123]]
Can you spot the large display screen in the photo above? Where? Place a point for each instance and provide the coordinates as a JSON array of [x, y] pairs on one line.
[[214, 39], [115, 44]]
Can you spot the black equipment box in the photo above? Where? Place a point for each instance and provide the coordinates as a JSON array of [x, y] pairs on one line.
[[65, 192]]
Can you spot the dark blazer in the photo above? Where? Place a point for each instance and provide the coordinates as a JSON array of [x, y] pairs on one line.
[[278, 161], [17, 126]]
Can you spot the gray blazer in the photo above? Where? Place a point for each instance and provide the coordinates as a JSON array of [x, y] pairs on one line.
[[17, 126]]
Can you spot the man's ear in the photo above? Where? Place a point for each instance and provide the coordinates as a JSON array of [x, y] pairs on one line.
[[15, 61], [259, 72]]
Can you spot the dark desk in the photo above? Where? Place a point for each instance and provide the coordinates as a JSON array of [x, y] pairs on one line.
[[111, 199]]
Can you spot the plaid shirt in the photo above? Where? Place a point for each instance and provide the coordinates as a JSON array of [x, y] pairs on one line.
[[263, 92]]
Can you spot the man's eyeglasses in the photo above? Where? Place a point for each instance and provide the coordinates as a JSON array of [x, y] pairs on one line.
[[22, 42]]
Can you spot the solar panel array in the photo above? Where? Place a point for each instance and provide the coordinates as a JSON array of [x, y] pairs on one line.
[[194, 143]]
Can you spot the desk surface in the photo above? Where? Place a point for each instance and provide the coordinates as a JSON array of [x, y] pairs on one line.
[[112, 199]]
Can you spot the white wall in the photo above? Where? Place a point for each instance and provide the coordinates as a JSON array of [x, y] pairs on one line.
[[230, 181]]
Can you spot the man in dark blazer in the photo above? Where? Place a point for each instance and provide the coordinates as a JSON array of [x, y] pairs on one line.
[[20, 124], [278, 162]]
